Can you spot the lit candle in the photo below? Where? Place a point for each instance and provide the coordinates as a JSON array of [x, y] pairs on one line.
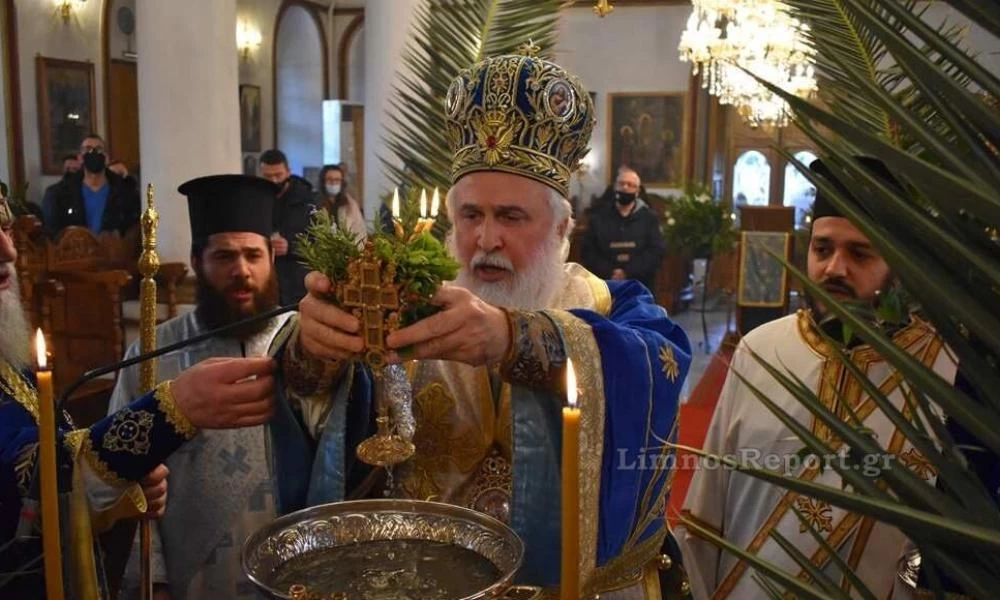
[[47, 469], [435, 201], [569, 580], [395, 203], [423, 204]]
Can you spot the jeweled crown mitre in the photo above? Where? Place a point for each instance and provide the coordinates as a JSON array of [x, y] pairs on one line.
[[519, 114]]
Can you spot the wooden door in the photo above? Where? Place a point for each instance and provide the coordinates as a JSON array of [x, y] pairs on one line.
[[123, 113]]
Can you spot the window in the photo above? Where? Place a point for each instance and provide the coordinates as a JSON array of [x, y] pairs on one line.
[[751, 179], [799, 191]]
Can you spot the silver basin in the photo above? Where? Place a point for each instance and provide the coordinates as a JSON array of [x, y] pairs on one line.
[[342, 523]]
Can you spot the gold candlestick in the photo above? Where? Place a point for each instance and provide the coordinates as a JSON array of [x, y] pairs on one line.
[[149, 264]]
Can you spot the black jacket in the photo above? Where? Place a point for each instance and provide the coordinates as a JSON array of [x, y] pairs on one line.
[[120, 213], [292, 215], [633, 244]]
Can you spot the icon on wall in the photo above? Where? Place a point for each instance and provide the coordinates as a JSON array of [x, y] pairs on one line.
[[250, 118]]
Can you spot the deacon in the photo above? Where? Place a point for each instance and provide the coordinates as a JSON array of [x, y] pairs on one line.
[[220, 481], [745, 510], [126, 447], [490, 368]]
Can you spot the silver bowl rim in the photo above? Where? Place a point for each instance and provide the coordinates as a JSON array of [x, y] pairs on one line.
[[392, 505]]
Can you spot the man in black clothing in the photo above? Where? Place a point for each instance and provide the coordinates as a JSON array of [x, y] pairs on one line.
[[95, 198], [292, 214], [623, 240]]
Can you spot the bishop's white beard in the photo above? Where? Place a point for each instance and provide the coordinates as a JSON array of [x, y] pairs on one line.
[[532, 289], [15, 341]]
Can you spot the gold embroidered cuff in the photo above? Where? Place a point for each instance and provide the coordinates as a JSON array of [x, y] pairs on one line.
[[305, 374], [536, 355], [168, 406]]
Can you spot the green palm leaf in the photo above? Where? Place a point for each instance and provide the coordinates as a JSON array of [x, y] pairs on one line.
[[897, 88], [448, 37]]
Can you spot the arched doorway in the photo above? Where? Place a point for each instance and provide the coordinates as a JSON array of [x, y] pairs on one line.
[[299, 86]]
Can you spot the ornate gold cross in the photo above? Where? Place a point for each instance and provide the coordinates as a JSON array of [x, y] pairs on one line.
[[372, 296]]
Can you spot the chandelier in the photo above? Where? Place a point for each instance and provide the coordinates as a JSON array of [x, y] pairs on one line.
[[726, 40]]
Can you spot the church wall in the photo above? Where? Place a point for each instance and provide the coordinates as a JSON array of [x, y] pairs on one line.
[[118, 42], [40, 31], [632, 50]]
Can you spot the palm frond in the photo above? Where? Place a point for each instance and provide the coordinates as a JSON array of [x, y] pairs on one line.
[[448, 37], [904, 91]]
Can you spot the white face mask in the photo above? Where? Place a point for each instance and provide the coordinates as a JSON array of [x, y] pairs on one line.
[[332, 189]]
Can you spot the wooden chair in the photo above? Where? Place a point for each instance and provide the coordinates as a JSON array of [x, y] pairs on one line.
[[124, 252], [32, 244], [81, 311]]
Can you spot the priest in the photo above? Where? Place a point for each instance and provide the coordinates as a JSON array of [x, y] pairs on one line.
[[107, 460], [488, 370], [744, 510], [220, 482]]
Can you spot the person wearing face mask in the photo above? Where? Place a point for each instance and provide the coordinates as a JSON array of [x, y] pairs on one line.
[[293, 212], [623, 238], [343, 209], [95, 198]]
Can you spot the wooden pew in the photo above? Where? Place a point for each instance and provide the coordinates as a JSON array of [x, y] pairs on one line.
[[81, 313]]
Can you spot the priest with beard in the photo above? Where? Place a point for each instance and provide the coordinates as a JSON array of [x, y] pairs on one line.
[[746, 511], [220, 482], [488, 371]]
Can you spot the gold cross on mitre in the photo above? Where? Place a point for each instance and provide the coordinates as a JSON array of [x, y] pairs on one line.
[[529, 49]]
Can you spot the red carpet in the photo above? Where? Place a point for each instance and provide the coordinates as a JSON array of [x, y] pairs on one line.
[[695, 417]]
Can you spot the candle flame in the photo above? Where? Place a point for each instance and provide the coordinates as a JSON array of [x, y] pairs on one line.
[[395, 203], [423, 204], [435, 202], [571, 390], [40, 349]]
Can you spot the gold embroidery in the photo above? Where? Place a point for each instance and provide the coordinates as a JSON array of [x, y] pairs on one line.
[[14, 385], [670, 367], [918, 463], [441, 445], [525, 116], [581, 346], [817, 513], [491, 490], [173, 414], [129, 432], [24, 466], [494, 135], [536, 354], [908, 338], [78, 442]]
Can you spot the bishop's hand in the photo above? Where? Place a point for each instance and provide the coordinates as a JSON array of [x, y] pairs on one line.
[[325, 331], [467, 329]]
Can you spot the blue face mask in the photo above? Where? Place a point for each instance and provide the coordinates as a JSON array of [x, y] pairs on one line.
[[332, 189]]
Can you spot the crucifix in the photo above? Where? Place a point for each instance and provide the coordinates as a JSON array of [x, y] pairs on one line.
[[372, 295]]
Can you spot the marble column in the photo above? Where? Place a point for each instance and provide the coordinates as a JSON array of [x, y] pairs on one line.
[[188, 105], [387, 27]]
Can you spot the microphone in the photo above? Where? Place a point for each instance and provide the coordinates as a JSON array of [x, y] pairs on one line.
[[30, 504]]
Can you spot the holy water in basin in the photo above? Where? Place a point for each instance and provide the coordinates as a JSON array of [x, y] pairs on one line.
[[390, 570]]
